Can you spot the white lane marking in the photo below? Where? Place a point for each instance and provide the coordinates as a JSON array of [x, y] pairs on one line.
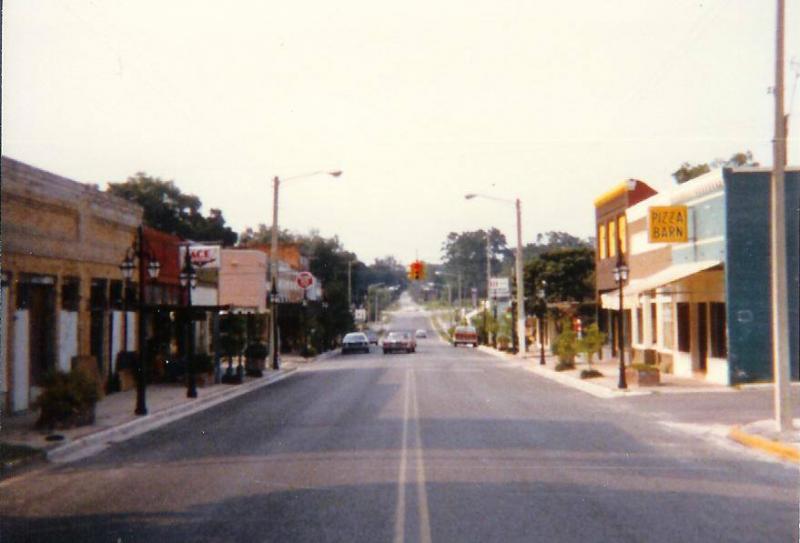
[[400, 511], [422, 493]]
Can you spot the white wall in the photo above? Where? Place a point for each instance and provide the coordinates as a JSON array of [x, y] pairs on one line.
[[67, 339], [21, 384], [203, 295]]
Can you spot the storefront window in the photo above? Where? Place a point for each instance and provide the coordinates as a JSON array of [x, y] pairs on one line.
[[601, 241], [719, 347], [639, 326], [684, 328], [612, 238], [70, 293], [666, 326]]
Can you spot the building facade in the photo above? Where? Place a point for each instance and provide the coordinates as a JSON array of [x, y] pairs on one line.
[[62, 289]]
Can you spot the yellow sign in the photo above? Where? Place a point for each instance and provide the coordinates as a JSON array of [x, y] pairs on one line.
[[668, 224]]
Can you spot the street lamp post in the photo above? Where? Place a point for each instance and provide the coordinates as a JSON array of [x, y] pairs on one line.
[[518, 270], [620, 276], [542, 295], [151, 270], [188, 279], [273, 259]]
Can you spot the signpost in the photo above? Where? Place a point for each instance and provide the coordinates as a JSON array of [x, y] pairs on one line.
[[499, 287], [668, 224], [304, 280]]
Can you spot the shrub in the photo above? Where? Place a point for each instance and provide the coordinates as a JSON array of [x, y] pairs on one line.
[[564, 366], [256, 351], [566, 344], [590, 374], [593, 339], [68, 399]]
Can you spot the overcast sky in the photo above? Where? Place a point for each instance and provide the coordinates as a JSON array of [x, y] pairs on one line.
[[418, 102]]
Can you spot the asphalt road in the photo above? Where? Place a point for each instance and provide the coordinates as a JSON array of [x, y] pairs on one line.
[[442, 445]]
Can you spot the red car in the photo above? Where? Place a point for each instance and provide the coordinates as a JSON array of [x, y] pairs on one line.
[[402, 342], [465, 335]]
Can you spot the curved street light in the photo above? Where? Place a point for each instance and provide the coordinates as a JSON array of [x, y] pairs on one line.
[[523, 347], [273, 259]]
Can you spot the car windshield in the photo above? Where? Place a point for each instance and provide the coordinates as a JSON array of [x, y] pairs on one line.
[[355, 337]]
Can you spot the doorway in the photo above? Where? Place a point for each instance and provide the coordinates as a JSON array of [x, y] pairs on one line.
[[41, 338], [702, 336]]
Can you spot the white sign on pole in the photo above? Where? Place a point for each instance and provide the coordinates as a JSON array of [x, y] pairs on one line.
[[361, 315], [499, 287], [203, 256]]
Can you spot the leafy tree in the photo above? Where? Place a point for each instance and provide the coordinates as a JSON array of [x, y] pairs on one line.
[[553, 240], [166, 208], [569, 274], [465, 253], [689, 171], [591, 342]]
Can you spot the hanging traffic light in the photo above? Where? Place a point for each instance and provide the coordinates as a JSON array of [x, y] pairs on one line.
[[416, 270]]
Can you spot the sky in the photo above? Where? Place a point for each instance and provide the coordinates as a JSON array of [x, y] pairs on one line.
[[417, 102]]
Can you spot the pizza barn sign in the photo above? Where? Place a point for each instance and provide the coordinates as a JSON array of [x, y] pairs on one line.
[[203, 256], [668, 224]]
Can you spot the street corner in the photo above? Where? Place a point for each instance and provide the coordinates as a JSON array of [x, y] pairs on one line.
[[763, 436]]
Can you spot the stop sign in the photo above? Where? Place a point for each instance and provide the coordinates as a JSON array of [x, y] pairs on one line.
[[305, 279]]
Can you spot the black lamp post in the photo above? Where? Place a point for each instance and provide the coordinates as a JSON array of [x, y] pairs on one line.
[[188, 278], [620, 276], [274, 299], [542, 295], [152, 268]]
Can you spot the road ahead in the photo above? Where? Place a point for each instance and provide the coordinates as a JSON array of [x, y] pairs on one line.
[[442, 445]]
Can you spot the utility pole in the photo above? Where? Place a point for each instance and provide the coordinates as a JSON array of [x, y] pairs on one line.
[[273, 272], [779, 282], [520, 287], [349, 285]]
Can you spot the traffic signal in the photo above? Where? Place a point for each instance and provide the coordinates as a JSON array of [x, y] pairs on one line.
[[416, 270]]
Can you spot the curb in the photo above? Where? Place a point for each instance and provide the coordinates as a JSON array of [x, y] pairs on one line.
[[769, 446], [597, 391], [97, 441]]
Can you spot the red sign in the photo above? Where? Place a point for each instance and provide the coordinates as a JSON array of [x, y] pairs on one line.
[[305, 279]]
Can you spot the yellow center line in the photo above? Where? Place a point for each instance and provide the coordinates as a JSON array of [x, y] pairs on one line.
[[422, 493], [400, 511]]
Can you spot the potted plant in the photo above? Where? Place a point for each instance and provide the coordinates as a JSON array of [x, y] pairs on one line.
[[126, 369], [565, 347], [203, 369], [255, 359], [67, 399], [589, 344]]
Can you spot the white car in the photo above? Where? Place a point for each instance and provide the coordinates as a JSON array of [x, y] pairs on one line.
[[421, 333], [355, 342]]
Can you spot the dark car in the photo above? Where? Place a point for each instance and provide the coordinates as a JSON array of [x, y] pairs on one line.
[[400, 342], [372, 336], [355, 342]]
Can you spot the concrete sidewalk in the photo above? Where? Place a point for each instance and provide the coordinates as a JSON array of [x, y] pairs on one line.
[[115, 420], [761, 435]]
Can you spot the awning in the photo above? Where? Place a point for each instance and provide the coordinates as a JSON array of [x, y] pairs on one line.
[[669, 275], [610, 300]]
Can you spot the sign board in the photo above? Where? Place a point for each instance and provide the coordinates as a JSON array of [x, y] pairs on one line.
[[667, 224], [499, 287], [304, 279], [203, 256], [361, 315]]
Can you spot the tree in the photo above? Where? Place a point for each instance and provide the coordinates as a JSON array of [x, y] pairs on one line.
[[569, 274], [465, 253], [553, 240], [688, 171], [167, 209]]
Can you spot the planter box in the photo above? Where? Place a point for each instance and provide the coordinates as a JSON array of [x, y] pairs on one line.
[[127, 379], [643, 378]]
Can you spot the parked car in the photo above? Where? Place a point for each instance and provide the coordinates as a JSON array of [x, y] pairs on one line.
[[421, 333], [397, 341], [355, 342], [372, 336], [465, 335]]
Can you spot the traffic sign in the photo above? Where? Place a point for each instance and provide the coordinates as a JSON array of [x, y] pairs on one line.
[[304, 279], [499, 287]]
